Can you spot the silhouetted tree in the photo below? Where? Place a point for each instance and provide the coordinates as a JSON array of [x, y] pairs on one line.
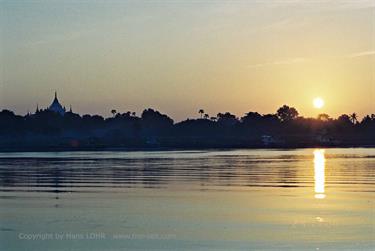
[[226, 119], [201, 112], [113, 111], [344, 118], [353, 118], [251, 118], [367, 119], [323, 117], [286, 113], [206, 116], [155, 122]]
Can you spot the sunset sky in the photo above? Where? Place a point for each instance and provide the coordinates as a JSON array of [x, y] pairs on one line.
[[180, 56]]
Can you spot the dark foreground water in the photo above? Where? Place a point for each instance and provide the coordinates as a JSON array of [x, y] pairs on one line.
[[307, 199]]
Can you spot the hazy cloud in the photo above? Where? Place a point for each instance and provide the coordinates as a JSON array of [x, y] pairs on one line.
[[361, 54], [359, 4], [299, 60], [279, 62], [324, 4]]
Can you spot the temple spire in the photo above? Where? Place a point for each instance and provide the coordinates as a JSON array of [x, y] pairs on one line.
[[56, 106]]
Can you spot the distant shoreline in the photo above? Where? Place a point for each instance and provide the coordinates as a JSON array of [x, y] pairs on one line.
[[166, 149], [60, 131]]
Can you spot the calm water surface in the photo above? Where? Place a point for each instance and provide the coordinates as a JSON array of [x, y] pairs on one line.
[[309, 199]]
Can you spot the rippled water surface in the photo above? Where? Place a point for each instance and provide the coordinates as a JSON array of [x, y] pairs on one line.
[[307, 199]]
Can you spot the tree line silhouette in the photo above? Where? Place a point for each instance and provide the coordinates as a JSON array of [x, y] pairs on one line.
[[47, 130]]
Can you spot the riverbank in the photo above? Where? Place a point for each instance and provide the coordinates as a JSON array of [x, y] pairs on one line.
[[153, 148]]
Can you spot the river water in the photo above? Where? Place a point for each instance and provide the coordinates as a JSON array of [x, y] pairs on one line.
[[303, 199]]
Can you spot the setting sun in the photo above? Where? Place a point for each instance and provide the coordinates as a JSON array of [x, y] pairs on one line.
[[318, 103]]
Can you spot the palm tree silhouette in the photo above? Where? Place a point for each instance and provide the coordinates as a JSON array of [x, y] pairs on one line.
[[206, 116], [353, 118], [113, 112], [201, 111]]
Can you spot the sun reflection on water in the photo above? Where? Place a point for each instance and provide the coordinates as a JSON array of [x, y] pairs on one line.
[[319, 166]]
